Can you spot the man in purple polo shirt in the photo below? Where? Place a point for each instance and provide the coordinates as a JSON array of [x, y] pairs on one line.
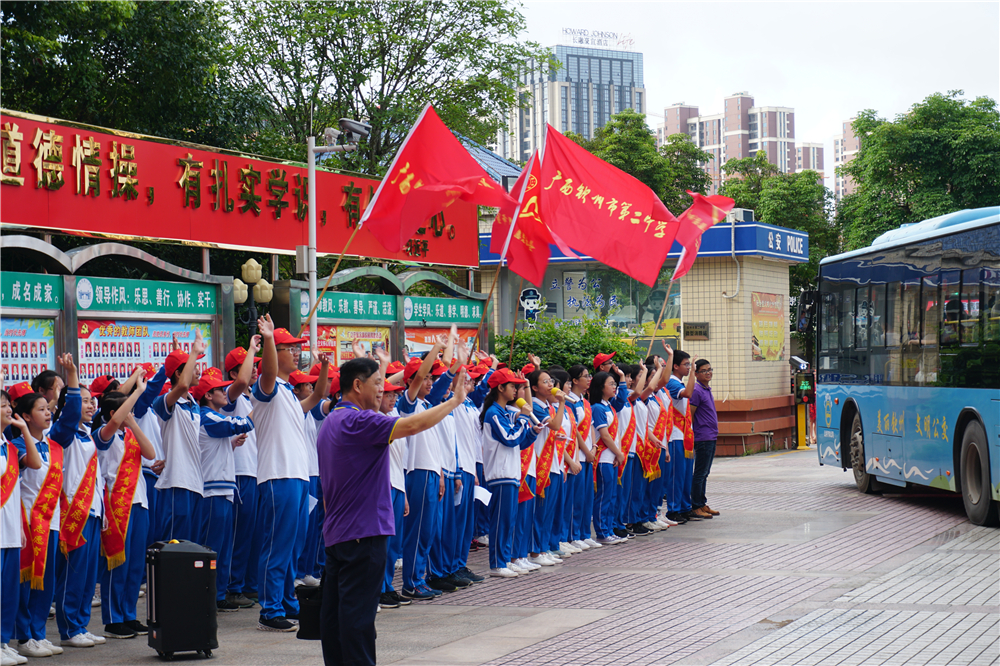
[[705, 423], [353, 447]]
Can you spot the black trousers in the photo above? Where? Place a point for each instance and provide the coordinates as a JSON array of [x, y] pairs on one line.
[[352, 583]]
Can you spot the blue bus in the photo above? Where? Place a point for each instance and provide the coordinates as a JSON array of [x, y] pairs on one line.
[[908, 360]]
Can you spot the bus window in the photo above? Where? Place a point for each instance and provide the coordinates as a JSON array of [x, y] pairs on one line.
[[972, 314], [846, 323], [829, 341], [991, 304], [893, 308], [911, 312], [954, 309], [861, 318], [930, 307]]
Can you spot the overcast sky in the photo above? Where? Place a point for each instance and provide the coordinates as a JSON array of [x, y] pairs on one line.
[[827, 60]]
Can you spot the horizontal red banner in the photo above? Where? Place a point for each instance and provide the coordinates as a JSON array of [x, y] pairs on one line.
[[83, 180]]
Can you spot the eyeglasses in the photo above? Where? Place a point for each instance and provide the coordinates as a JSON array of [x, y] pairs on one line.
[[295, 351], [706, 371]]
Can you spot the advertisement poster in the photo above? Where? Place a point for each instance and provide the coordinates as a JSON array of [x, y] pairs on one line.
[[115, 347], [769, 324], [338, 340], [27, 347], [420, 340]]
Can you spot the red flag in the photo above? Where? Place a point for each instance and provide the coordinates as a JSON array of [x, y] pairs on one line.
[[526, 246], [605, 212], [702, 214], [431, 171]]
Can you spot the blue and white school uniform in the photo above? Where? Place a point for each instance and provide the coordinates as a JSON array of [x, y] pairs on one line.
[[481, 512], [246, 539], [152, 427], [282, 485], [10, 549], [443, 548], [634, 482], [424, 466], [308, 546], [76, 573], [505, 433], [120, 586], [681, 468], [543, 520], [581, 486], [564, 505], [469, 445], [219, 470], [654, 488], [397, 478], [181, 483]]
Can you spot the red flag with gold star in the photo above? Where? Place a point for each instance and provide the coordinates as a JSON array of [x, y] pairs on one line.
[[519, 235]]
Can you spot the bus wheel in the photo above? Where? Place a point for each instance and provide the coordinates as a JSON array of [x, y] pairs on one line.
[[975, 476], [863, 479]]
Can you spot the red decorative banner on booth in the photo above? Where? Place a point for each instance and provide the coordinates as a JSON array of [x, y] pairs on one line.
[[87, 180]]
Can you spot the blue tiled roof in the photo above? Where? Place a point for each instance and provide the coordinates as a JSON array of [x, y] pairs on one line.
[[495, 165]]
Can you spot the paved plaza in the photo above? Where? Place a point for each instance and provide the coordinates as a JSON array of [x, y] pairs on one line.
[[800, 569]]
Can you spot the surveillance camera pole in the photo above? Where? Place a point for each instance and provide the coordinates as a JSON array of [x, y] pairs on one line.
[[312, 151]]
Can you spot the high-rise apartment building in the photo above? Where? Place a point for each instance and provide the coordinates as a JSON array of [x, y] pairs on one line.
[[589, 86], [845, 147], [741, 130], [809, 156]]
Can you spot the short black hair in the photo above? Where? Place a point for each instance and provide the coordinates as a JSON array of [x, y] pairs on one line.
[[700, 363], [680, 357], [110, 401], [356, 368], [44, 380]]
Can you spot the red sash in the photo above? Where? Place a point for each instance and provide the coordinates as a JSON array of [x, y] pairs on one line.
[[544, 465], [38, 525], [118, 502], [663, 421], [650, 453], [626, 446], [571, 441], [583, 427], [683, 421], [10, 475], [524, 492], [73, 515], [599, 447]]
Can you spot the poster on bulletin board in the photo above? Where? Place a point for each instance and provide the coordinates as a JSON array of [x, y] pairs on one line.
[[768, 325], [27, 347], [115, 347]]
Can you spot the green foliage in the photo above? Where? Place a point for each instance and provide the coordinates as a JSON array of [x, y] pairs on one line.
[[683, 172], [941, 156], [559, 343], [158, 68], [381, 62]]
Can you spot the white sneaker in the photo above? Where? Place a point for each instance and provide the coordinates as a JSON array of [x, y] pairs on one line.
[[78, 641], [554, 556], [563, 552], [399, 564], [298, 582], [378, 609], [527, 564], [98, 640], [568, 547], [485, 540], [581, 545], [142, 593], [590, 542], [662, 524], [541, 561], [311, 581], [33, 649], [516, 568], [503, 572], [670, 523], [54, 649], [7, 657], [654, 527], [96, 601]]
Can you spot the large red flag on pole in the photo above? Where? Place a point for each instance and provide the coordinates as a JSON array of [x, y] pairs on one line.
[[603, 211], [695, 221], [518, 232], [431, 171]]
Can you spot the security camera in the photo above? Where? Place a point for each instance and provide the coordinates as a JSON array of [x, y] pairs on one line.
[[799, 363], [354, 130], [331, 135]]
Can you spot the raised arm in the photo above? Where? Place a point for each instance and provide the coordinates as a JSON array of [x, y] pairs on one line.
[[424, 369], [269, 362], [121, 414], [145, 446], [242, 380], [126, 388], [31, 458], [63, 429], [186, 376], [429, 418], [321, 385]]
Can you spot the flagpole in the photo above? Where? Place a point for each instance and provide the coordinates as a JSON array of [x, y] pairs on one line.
[[329, 279], [513, 331], [663, 309]]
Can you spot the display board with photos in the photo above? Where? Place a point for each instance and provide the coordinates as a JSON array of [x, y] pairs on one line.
[[27, 347], [115, 347]]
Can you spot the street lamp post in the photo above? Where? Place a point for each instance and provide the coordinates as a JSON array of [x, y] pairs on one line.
[[261, 292]]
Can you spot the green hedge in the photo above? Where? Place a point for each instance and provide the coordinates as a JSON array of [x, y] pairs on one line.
[[565, 344]]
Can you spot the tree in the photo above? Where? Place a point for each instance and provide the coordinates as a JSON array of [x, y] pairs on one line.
[[627, 143], [158, 68], [381, 62], [684, 172], [941, 156], [556, 342], [745, 179]]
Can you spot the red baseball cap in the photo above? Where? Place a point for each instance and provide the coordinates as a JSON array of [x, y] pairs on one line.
[[210, 379], [334, 381], [601, 359], [528, 369], [504, 376], [174, 360], [394, 367], [283, 337], [298, 377], [439, 368], [19, 390], [392, 387], [330, 371], [411, 368], [474, 370], [235, 358], [100, 385]]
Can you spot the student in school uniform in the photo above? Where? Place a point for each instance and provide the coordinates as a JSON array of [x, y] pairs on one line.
[[657, 434], [49, 384], [632, 480], [570, 436], [626, 443], [607, 395], [481, 520], [282, 472], [12, 462], [390, 598], [681, 440], [582, 485], [181, 483], [505, 435], [123, 445], [548, 472], [425, 484], [218, 436], [524, 535], [241, 588]]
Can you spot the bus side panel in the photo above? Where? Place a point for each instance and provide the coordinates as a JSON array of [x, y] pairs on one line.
[[828, 416]]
